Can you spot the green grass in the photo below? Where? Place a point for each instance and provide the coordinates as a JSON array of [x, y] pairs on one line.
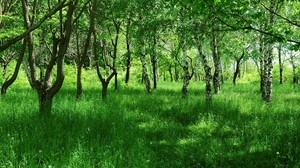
[[133, 129]]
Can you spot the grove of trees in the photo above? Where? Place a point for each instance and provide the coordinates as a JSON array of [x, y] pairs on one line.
[[176, 40]]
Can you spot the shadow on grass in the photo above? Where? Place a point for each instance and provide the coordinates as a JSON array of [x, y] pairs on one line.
[[133, 129]]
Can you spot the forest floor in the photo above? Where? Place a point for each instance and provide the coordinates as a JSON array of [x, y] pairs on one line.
[[133, 129]]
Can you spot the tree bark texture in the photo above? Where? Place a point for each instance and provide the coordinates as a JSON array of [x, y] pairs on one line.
[[208, 76], [268, 61], [217, 63]]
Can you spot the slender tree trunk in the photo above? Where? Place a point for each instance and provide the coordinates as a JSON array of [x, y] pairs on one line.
[[128, 55], [115, 50], [154, 63], [78, 67], [10, 81], [186, 75], [176, 73], [116, 81], [217, 63], [280, 65], [145, 76], [261, 63], [27, 72], [81, 58], [208, 76], [237, 71], [170, 72], [294, 67]]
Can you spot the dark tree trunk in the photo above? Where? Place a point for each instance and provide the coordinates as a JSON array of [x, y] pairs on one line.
[[10, 81], [237, 71], [45, 88], [176, 73], [128, 55], [115, 50], [154, 63], [79, 83], [83, 57], [45, 103], [170, 72], [294, 67], [280, 65], [116, 81], [186, 75], [104, 90]]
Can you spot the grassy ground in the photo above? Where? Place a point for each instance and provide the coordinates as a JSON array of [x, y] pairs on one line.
[[132, 129]]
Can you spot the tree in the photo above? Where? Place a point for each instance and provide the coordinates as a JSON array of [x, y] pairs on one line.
[[45, 88], [82, 57]]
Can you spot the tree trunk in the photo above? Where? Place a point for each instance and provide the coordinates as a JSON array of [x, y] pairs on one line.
[[176, 73], [170, 72], [45, 103], [237, 71], [104, 90], [186, 75], [145, 75], [268, 62], [10, 81], [116, 81], [208, 77], [294, 67], [280, 65], [217, 63], [261, 63], [83, 57], [79, 83], [154, 63], [128, 55]]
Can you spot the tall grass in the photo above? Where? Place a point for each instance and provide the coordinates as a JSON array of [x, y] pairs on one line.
[[133, 129]]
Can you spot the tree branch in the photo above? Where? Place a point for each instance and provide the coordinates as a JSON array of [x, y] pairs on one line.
[[34, 27]]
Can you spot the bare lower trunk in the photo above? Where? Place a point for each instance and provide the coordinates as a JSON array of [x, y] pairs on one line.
[[186, 75], [268, 76], [217, 64], [116, 81], [208, 77], [45, 103], [153, 62], [145, 76], [79, 83], [128, 55], [236, 73], [104, 90], [170, 72], [176, 74], [280, 65], [127, 75]]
